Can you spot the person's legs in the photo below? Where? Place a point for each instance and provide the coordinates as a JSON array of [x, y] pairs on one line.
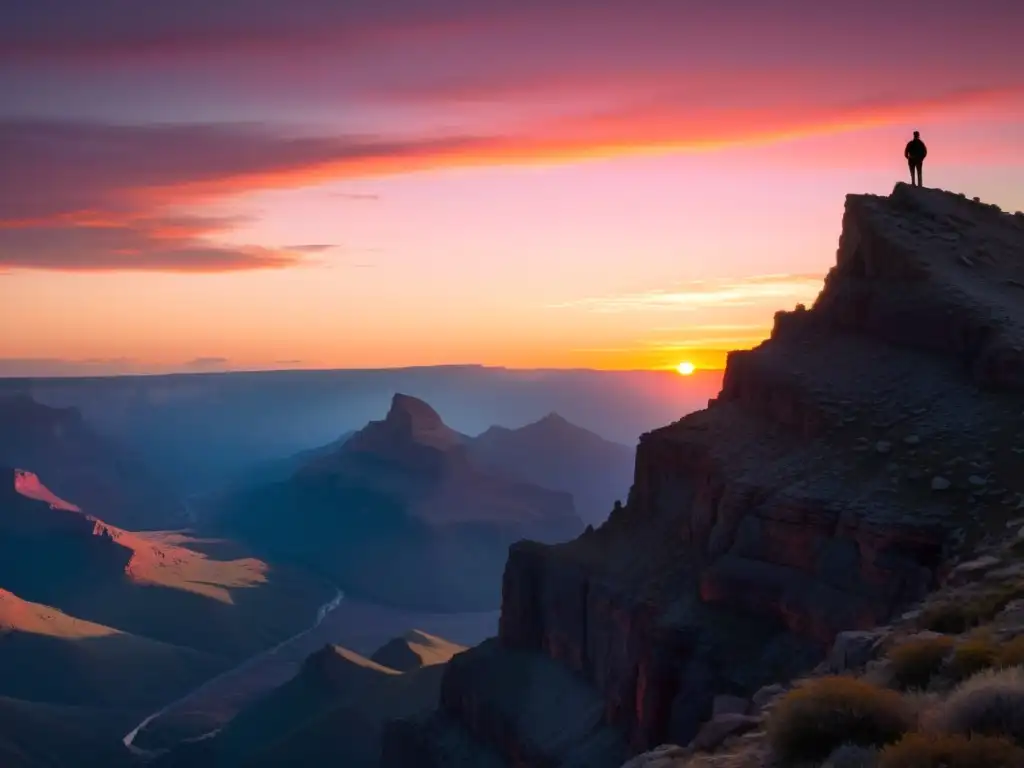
[[910, 163], [920, 182]]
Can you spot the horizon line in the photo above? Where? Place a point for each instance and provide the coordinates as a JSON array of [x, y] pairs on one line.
[[397, 368]]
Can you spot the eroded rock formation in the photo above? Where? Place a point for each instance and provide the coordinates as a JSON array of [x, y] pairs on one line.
[[846, 462]]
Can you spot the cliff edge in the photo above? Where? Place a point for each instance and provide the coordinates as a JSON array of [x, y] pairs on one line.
[[849, 462]]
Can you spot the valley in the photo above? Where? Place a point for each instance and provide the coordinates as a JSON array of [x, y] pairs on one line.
[[167, 637]]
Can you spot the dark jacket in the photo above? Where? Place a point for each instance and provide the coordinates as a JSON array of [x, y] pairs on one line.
[[916, 151]]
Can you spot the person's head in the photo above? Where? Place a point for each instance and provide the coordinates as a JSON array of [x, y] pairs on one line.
[[917, 134]]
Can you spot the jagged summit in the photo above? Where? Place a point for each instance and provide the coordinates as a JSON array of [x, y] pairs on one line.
[[409, 422], [413, 413]]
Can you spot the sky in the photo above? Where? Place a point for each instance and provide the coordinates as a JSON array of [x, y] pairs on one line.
[[617, 184]]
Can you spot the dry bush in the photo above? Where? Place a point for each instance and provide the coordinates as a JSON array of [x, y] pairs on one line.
[[916, 661], [955, 615], [945, 751], [971, 657], [1011, 654], [990, 704], [811, 721]]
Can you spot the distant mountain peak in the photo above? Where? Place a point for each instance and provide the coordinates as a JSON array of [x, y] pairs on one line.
[[412, 419], [409, 410], [415, 649], [555, 419]]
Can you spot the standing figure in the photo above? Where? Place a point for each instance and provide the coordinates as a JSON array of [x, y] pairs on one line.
[[915, 153]]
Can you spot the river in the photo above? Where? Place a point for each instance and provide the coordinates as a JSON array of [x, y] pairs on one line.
[[230, 679]]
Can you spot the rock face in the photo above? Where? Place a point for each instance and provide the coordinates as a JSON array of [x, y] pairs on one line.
[[801, 502]]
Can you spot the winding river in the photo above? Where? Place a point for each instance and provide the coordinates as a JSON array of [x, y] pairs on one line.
[[236, 673]]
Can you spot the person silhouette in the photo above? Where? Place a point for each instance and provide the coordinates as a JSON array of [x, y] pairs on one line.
[[915, 153]]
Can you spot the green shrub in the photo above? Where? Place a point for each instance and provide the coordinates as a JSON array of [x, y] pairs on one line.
[[990, 704], [971, 657], [944, 751], [811, 721], [916, 661]]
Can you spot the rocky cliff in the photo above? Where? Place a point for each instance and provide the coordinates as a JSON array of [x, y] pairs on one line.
[[846, 462]]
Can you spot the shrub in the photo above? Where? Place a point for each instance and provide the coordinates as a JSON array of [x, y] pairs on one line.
[[972, 656], [1011, 654], [916, 661], [944, 751], [810, 721], [852, 756], [990, 704], [953, 616]]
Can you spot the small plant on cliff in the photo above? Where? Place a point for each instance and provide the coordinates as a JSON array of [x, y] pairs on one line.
[[814, 719], [972, 656], [916, 661], [944, 751], [1011, 654], [990, 704], [955, 615]]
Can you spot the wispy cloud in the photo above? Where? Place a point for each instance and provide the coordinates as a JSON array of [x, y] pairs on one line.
[[178, 244], [312, 248], [88, 197], [364, 197], [772, 290]]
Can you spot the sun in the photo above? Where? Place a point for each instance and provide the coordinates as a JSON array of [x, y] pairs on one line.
[[686, 368]]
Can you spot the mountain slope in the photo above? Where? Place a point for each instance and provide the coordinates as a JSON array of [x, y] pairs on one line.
[[92, 614], [279, 470], [102, 477], [413, 650], [553, 453], [43, 736], [400, 514], [50, 656], [331, 713]]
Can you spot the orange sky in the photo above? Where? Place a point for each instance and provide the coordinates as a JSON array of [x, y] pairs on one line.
[[373, 187]]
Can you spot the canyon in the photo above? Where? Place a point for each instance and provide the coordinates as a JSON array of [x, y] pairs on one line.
[[845, 467]]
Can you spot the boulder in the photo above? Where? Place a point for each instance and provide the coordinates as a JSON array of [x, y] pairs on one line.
[[852, 650], [729, 705], [718, 729]]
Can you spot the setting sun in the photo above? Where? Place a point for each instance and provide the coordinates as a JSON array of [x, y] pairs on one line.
[[686, 368]]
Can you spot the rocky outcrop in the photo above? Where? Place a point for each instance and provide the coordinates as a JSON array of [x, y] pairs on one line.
[[845, 463]]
